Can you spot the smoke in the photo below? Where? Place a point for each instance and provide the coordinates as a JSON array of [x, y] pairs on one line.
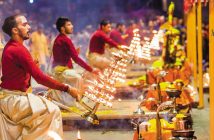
[[81, 12]]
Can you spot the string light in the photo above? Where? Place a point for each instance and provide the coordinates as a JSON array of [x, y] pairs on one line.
[[31, 1]]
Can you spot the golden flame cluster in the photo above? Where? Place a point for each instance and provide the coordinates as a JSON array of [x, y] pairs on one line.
[[102, 89]]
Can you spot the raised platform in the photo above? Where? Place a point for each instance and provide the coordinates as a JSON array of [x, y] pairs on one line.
[[117, 117], [121, 110]]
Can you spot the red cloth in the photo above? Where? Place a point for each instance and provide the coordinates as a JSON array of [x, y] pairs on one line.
[[117, 37], [64, 50], [98, 40], [130, 34], [18, 67]]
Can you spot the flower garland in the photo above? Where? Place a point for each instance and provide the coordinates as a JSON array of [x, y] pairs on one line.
[[188, 4]]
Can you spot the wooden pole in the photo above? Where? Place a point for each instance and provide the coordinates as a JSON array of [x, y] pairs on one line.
[[191, 41], [200, 55], [211, 66]]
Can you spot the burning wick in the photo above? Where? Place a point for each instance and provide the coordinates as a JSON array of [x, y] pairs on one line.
[[78, 135]]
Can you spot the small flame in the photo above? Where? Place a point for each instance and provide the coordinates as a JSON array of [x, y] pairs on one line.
[[78, 135]]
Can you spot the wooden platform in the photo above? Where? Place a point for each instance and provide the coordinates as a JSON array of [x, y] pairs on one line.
[[121, 110]]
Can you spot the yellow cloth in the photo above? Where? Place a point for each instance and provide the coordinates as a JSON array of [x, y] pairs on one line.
[[28, 117], [60, 69], [1, 50], [39, 47]]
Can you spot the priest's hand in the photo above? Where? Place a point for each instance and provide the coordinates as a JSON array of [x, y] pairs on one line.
[[77, 94], [96, 71]]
